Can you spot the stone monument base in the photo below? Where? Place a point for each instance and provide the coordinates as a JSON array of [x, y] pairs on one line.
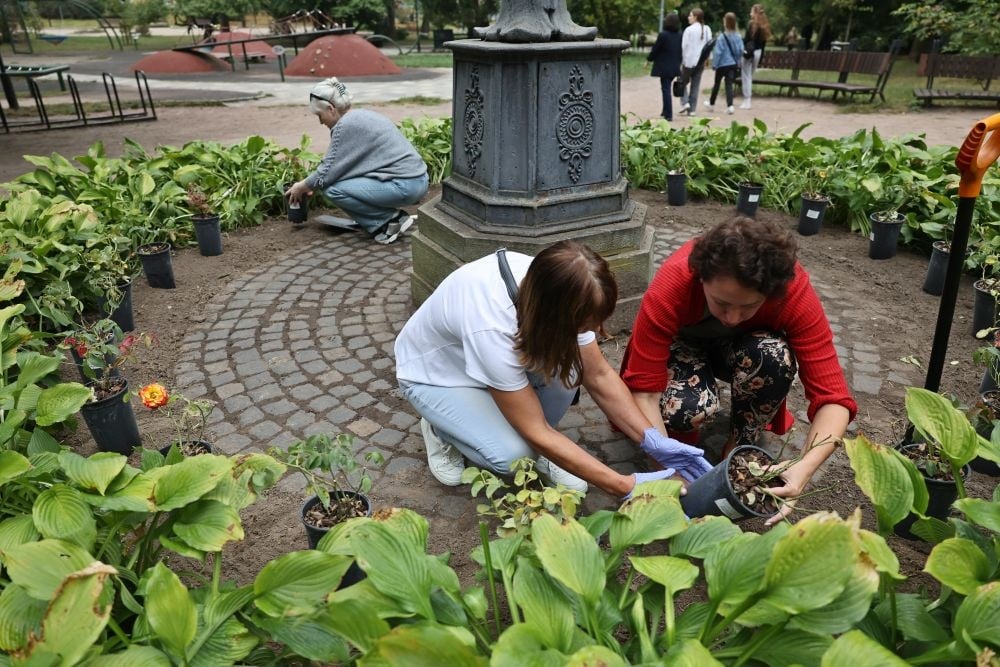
[[442, 243]]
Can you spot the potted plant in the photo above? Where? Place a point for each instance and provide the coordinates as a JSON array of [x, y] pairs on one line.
[[113, 273], [984, 312], [155, 259], [298, 212], [206, 223], [885, 226], [937, 267], [737, 487], [677, 178], [188, 418], [751, 190], [814, 203], [108, 413], [336, 481]]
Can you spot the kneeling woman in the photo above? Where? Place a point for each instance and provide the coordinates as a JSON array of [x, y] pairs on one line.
[[493, 358], [735, 304]]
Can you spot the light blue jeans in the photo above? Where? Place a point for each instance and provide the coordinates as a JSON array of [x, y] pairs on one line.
[[469, 419], [372, 202]]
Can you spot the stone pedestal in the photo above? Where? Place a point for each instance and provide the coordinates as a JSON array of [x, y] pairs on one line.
[[536, 159]]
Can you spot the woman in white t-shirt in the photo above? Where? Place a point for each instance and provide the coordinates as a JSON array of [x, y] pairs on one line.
[[491, 362], [694, 39]]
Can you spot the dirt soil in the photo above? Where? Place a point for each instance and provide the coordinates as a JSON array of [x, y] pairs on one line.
[[897, 317]]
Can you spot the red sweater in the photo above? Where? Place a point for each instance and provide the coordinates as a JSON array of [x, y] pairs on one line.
[[675, 299]]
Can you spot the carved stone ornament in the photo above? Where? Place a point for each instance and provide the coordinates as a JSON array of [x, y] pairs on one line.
[[473, 122], [575, 129], [525, 21]]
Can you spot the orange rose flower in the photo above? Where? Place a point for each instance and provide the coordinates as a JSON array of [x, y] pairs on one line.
[[154, 396]]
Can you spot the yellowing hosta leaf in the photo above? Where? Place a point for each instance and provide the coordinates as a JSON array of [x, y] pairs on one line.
[[169, 609], [735, 570], [20, 614], [41, 567], [959, 564], [855, 649], [570, 555], [12, 465], [77, 614], [882, 477], [653, 513], [934, 416], [94, 473], [546, 609], [438, 645], [595, 656], [298, 582], [185, 482], [880, 554], [981, 512], [690, 653], [979, 614], [674, 574], [207, 525], [810, 565], [846, 610]]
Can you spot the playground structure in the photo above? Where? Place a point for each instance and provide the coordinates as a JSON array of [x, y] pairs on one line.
[[14, 25]]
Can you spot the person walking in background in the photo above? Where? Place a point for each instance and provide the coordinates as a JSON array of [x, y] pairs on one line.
[[666, 59], [696, 36], [726, 61], [791, 38], [758, 32]]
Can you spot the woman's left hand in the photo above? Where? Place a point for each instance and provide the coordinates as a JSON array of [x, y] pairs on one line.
[[298, 191], [796, 477]]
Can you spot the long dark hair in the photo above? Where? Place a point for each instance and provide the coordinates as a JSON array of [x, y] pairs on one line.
[[568, 288]]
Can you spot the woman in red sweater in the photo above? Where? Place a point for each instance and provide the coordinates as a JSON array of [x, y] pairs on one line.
[[735, 304]]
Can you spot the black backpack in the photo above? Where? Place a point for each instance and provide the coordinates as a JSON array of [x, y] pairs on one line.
[[706, 51]]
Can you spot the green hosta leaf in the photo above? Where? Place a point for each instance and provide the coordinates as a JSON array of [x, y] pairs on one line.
[[356, 622], [981, 512], [309, 637], [519, 646], [570, 556], [932, 530], [703, 536], [61, 513], [170, 610], [857, 648], [979, 614], [425, 645], [735, 570], [185, 482], [959, 564], [94, 473], [41, 441], [935, 417], [653, 513], [207, 525], [40, 567], [810, 565], [395, 566], [146, 184], [878, 551], [297, 583], [230, 643], [223, 605], [181, 547], [674, 574], [795, 649], [135, 496], [690, 653], [16, 531], [134, 656], [59, 403], [596, 656], [20, 614], [846, 610], [12, 465], [546, 608], [882, 477], [34, 367], [77, 614], [913, 619]]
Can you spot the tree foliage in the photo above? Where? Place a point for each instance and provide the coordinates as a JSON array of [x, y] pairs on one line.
[[971, 27], [466, 13]]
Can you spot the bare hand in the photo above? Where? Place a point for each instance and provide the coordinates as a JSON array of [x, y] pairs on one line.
[[298, 191], [795, 477]]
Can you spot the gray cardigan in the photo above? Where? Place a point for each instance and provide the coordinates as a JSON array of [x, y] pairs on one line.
[[365, 143]]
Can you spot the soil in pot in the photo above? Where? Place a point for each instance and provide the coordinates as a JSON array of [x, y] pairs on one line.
[[155, 258], [735, 488], [811, 215], [298, 212], [883, 237], [208, 231], [984, 312], [111, 419], [677, 189], [749, 198], [937, 267], [318, 521], [940, 482]]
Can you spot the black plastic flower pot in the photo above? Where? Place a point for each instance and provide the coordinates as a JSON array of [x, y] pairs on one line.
[[991, 398], [297, 212], [984, 309], [190, 447], [98, 372], [811, 215], [937, 267], [354, 573], [208, 231], [990, 376], [122, 314], [940, 495], [883, 237], [749, 198], [712, 494], [677, 189], [155, 258], [112, 422]]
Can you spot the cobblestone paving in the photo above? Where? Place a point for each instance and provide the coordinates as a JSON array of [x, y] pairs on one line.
[[304, 344]]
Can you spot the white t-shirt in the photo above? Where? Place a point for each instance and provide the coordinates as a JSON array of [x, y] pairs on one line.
[[695, 37], [463, 334]]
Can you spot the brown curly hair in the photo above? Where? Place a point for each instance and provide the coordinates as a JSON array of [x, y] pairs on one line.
[[758, 255]]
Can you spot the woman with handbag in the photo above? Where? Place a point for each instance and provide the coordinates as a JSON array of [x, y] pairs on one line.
[[666, 59], [758, 32], [693, 56], [726, 61]]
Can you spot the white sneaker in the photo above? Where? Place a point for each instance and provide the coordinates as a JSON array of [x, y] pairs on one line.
[[745, 105], [709, 106], [394, 228], [685, 108], [556, 475], [729, 110], [444, 460]]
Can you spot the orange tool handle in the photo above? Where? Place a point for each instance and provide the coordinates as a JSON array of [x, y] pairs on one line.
[[980, 149]]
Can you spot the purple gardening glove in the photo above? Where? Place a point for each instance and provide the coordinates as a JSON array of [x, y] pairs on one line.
[[642, 477], [669, 453]]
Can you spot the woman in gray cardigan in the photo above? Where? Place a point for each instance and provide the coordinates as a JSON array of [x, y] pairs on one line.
[[369, 171]]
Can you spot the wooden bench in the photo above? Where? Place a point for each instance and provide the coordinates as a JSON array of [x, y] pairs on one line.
[[33, 72], [982, 69], [838, 64]]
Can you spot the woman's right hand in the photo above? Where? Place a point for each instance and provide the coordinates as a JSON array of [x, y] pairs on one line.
[[297, 191]]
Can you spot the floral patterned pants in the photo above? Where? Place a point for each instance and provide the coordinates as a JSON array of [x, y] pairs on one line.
[[759, 365]]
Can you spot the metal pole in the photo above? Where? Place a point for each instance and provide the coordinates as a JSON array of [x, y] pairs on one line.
[[661, 18], [8, 87]]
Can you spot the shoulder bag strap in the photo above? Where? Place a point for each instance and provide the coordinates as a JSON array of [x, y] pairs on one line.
[[508, 277], [732, 51]]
